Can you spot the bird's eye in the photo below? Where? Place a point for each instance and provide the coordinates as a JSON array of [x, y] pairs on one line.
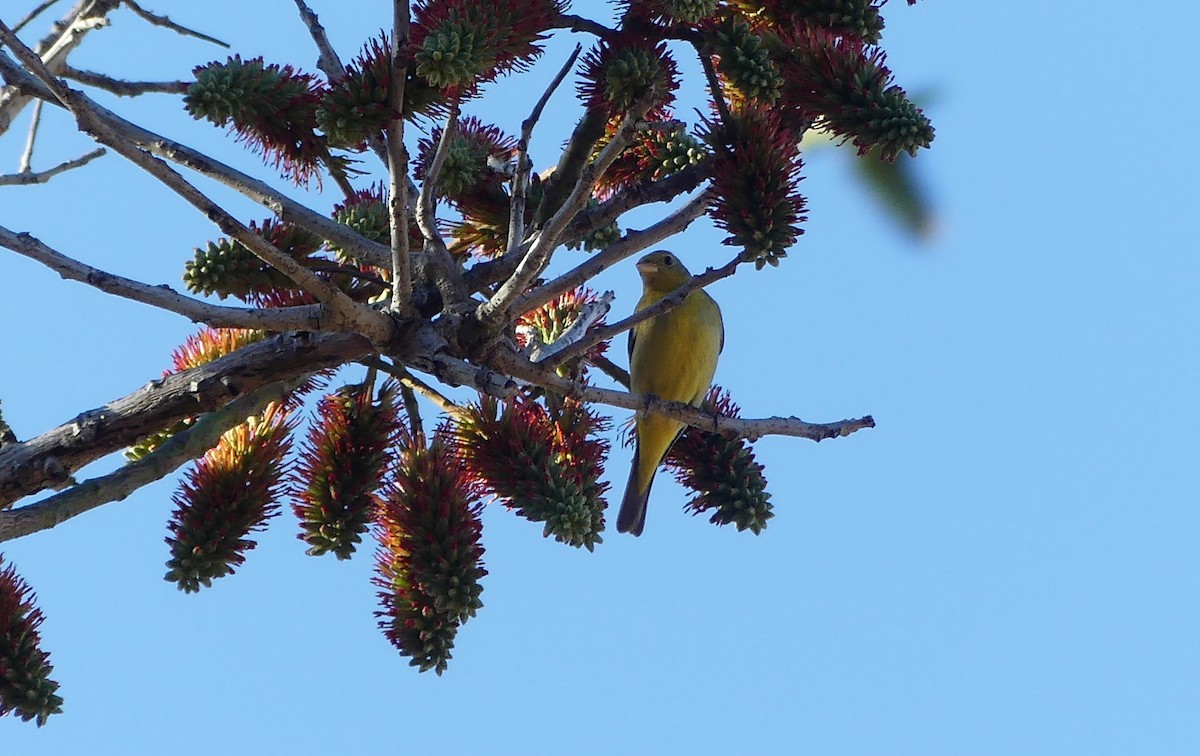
[[668, 261]]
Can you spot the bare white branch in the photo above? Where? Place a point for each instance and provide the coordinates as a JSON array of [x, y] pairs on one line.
[[671, 301], [629, 245], [303, 317], [397, 154], [166, 23], [345, 312], [116, 486], [26, 177], [26, 164], [589, 313], [752, 429], [329, 62], [520, 183]]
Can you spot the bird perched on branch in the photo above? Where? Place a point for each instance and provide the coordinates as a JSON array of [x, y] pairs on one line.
[[673, 356]]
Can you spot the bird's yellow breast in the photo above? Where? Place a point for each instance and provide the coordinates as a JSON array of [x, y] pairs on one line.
[[675, 354]]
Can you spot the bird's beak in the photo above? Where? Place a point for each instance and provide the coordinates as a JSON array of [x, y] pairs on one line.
[[647, 267]]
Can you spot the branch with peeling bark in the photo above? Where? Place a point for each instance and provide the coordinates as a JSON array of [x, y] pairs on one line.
[[54, 456], [180, 448]]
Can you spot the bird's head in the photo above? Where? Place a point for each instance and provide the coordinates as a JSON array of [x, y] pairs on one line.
[[662, 271]]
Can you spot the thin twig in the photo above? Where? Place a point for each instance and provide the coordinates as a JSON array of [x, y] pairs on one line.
[[40, 177], [581, 24], [669, 302], [302, 317], [520, 182], [413, 410], [182, 447], [752, 429], [285, 208], [547, 238], [157, 20], [26, 164], [400, 373], [714, 85], [397, 161], [427, 199], [627, 246], [31, 15], [121, 87], [612, 369], [329, 62], [345, 312]]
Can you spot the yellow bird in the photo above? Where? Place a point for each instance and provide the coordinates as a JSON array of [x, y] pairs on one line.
[[672, 356]]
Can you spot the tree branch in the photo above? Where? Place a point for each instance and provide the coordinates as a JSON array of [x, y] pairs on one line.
[[663, 190], [398, 165], [547, 238], [329, 63], [286, 209], [751, 429], [54, 456], [669, 302], [520, 182], [156, 20], [31, 15], [345, 312], [27, 177], [182, 447], [446, 271], [400, 373], [54, 48], [629, 245], [26, 164], [303, 317], [121, 87], [581, 24]]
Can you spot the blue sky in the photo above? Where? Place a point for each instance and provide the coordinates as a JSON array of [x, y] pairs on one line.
[[1006, 564]]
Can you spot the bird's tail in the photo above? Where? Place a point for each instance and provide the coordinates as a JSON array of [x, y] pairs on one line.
[[632, 517]]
